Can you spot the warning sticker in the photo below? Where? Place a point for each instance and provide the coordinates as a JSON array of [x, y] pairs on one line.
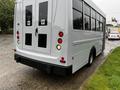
[[42, 21]]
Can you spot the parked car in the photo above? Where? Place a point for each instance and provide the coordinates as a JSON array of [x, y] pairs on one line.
[[114, 36]]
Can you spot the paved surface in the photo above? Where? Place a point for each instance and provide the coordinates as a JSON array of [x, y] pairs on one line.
[[19, 77]]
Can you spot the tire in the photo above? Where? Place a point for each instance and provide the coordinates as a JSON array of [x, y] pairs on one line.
[[91, 58]]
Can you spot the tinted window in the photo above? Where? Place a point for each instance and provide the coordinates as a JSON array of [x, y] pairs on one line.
[[93, 27], [87, 23], [28, 15], [93, 13], [43, 13], [97, 16], [101, 26], [101, 23], [97, 25], [101, 19], [87, 17], [77, 20], [77, 4], [87, 9], [104, 23]]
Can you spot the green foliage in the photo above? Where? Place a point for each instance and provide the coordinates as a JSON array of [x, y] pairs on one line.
[[107, 77], [6, 14]]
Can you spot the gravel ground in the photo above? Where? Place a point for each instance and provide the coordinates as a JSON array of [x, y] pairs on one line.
[[15, 76]]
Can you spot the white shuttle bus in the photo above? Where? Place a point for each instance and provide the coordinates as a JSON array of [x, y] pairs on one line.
[[58, 36]]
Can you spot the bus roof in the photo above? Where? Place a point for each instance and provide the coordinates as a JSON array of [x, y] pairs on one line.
[[93, 5], [89, 2]]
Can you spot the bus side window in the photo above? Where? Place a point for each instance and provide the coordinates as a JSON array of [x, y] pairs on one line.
[[87, 17], [77, 20], [78, 14], [93, 20], [97, 22]]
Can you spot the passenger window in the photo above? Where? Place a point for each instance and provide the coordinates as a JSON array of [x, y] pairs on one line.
[[93, 20], [93, 13], [87, 22], [101, 19], [101, 26], [29, 15], [78, 4], [77, 20], [97, 22], [98, 17], [104, 23], [43, 13], [101, 23], [93, 23], [87, 9], [97, 25], [87, 17]]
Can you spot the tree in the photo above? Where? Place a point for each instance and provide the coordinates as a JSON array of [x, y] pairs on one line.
[[6, 14]]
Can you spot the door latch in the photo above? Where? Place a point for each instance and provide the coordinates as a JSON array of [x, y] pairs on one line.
[[36, 31]]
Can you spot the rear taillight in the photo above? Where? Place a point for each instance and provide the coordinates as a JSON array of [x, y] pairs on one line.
[[60, 41], [18, 33], [18, 36], [61, 34], [62, 60]]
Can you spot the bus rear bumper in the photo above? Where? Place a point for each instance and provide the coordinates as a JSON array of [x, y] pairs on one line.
[[47, 67]]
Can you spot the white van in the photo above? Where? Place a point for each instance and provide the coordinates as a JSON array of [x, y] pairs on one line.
[[58, 36], [114, 34]]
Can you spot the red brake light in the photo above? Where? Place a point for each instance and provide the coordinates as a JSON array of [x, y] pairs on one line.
[[61, 34], [18, 37], [62, 60], [60, 41], [17, 32]]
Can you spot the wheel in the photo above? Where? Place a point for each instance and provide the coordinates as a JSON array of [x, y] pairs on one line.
[[91, 59]]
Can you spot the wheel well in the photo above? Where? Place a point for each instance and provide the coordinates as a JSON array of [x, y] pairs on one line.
[[93, 50]]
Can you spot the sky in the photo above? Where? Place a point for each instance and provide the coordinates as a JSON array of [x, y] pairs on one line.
[[110, 7]]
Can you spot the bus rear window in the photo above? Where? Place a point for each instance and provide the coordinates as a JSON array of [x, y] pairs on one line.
[[43, 13], [29, 15]]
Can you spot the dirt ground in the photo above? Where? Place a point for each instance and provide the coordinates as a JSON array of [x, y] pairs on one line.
[[15, 76]]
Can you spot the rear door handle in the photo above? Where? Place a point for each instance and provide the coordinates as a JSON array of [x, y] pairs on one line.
[[36, 31]]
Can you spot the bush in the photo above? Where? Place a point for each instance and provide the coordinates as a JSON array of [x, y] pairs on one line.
[[6, 14], [9, 31]]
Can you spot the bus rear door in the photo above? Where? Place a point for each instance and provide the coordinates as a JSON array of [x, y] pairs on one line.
[[37, 25]]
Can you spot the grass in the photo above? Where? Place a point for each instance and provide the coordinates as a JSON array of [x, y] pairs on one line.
[[107, 77]]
